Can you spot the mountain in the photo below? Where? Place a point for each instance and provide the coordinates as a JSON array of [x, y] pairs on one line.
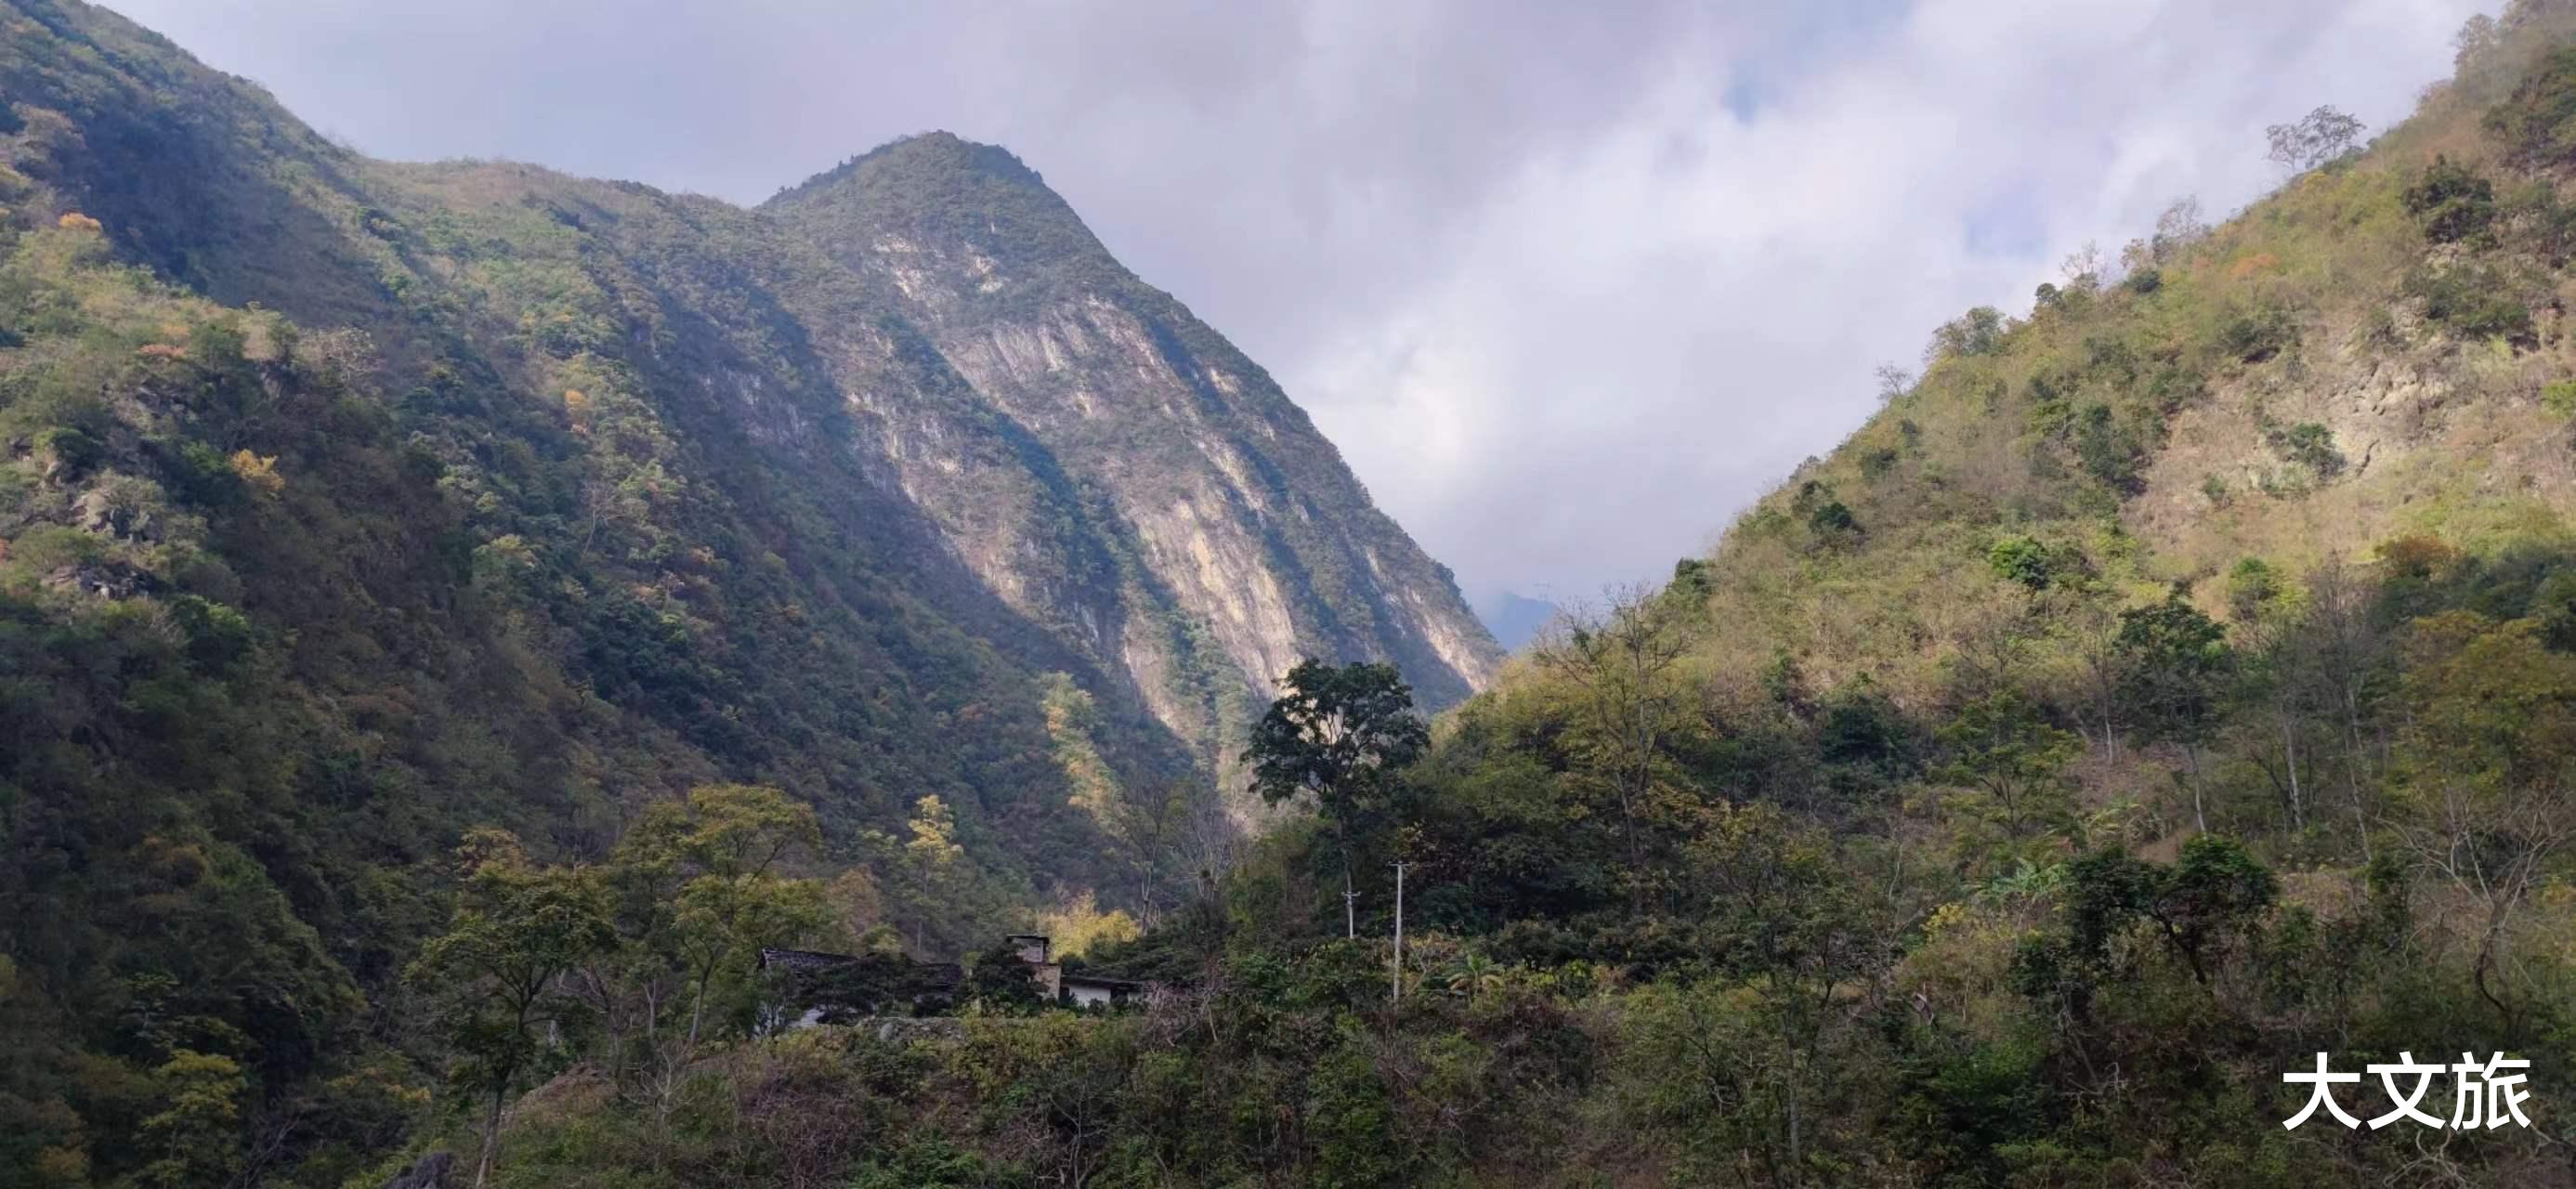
[[1172, 499], [1515, 619], [2171, 690], [346, 505]]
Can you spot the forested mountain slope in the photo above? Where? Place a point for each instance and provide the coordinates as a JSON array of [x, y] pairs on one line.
[[2170, 685], [347, 505]]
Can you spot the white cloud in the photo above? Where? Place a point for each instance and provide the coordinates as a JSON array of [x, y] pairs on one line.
[[1564, 310], [1630, 342]]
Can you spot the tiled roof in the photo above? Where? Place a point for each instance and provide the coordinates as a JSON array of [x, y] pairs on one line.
[[801, 959]]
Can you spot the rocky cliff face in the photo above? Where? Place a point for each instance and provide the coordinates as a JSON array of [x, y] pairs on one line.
[[1164, 506]]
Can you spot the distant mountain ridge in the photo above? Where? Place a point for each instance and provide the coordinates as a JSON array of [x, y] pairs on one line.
[[1516, 619]]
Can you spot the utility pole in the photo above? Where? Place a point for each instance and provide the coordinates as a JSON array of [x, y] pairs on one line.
[[1399, 931]]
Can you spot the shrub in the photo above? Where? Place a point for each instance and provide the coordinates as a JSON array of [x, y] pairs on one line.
[[2453, 203], [217, 635], [258, 471], [2309, 445], [2560, 397], [2470, 301], [2258, 335], [2252, 586], [2110, 451], [2542, 223], [1833, 519], [2417, 556], [68, 453], [2021, 559]]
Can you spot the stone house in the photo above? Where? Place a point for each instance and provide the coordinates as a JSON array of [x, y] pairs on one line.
[[931, 987]]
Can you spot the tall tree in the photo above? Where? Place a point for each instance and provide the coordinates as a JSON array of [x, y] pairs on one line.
[[2274, 671], [518, 928], [2487, 765], [2320, 137], [2003, 747], [724, 846], [2344, 640], [1623, 663], [1338, 734], [2174, 663]]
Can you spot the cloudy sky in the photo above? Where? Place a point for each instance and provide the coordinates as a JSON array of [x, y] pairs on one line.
[[1568, 283]]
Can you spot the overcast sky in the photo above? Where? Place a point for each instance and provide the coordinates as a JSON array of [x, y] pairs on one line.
[[1569, 284]]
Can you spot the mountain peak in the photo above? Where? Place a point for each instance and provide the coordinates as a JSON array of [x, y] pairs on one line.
[[941, 187], [919, 155]]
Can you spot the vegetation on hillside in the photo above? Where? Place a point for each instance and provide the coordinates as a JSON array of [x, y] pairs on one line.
[[2173, 684], [349, 509]]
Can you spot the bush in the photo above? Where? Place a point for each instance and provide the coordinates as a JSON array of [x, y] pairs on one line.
[[935, 1163], [2256, 336], [2111, 452], [2307, 445], [2560, 397], [2470, 301], [68, 452], [217, 635], [2453, 203], [2021, 559], [1834, 519]]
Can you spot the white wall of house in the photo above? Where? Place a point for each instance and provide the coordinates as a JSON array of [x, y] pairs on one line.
[[1087, 994]]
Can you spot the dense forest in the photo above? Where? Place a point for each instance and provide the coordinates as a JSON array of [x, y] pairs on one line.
[[2166, 686]]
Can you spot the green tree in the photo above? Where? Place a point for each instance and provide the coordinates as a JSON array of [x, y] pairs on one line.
[[1628, 708], [932, 865], [2001, 746], [2020, 559], [197, 1131], [1338, 734], [2486, 769], [2173, 669], [999, 983], [2213, 894], [725, 845], [517, 929], [2273, 673], [711, 870], [1474, 974], [2452, 201]]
